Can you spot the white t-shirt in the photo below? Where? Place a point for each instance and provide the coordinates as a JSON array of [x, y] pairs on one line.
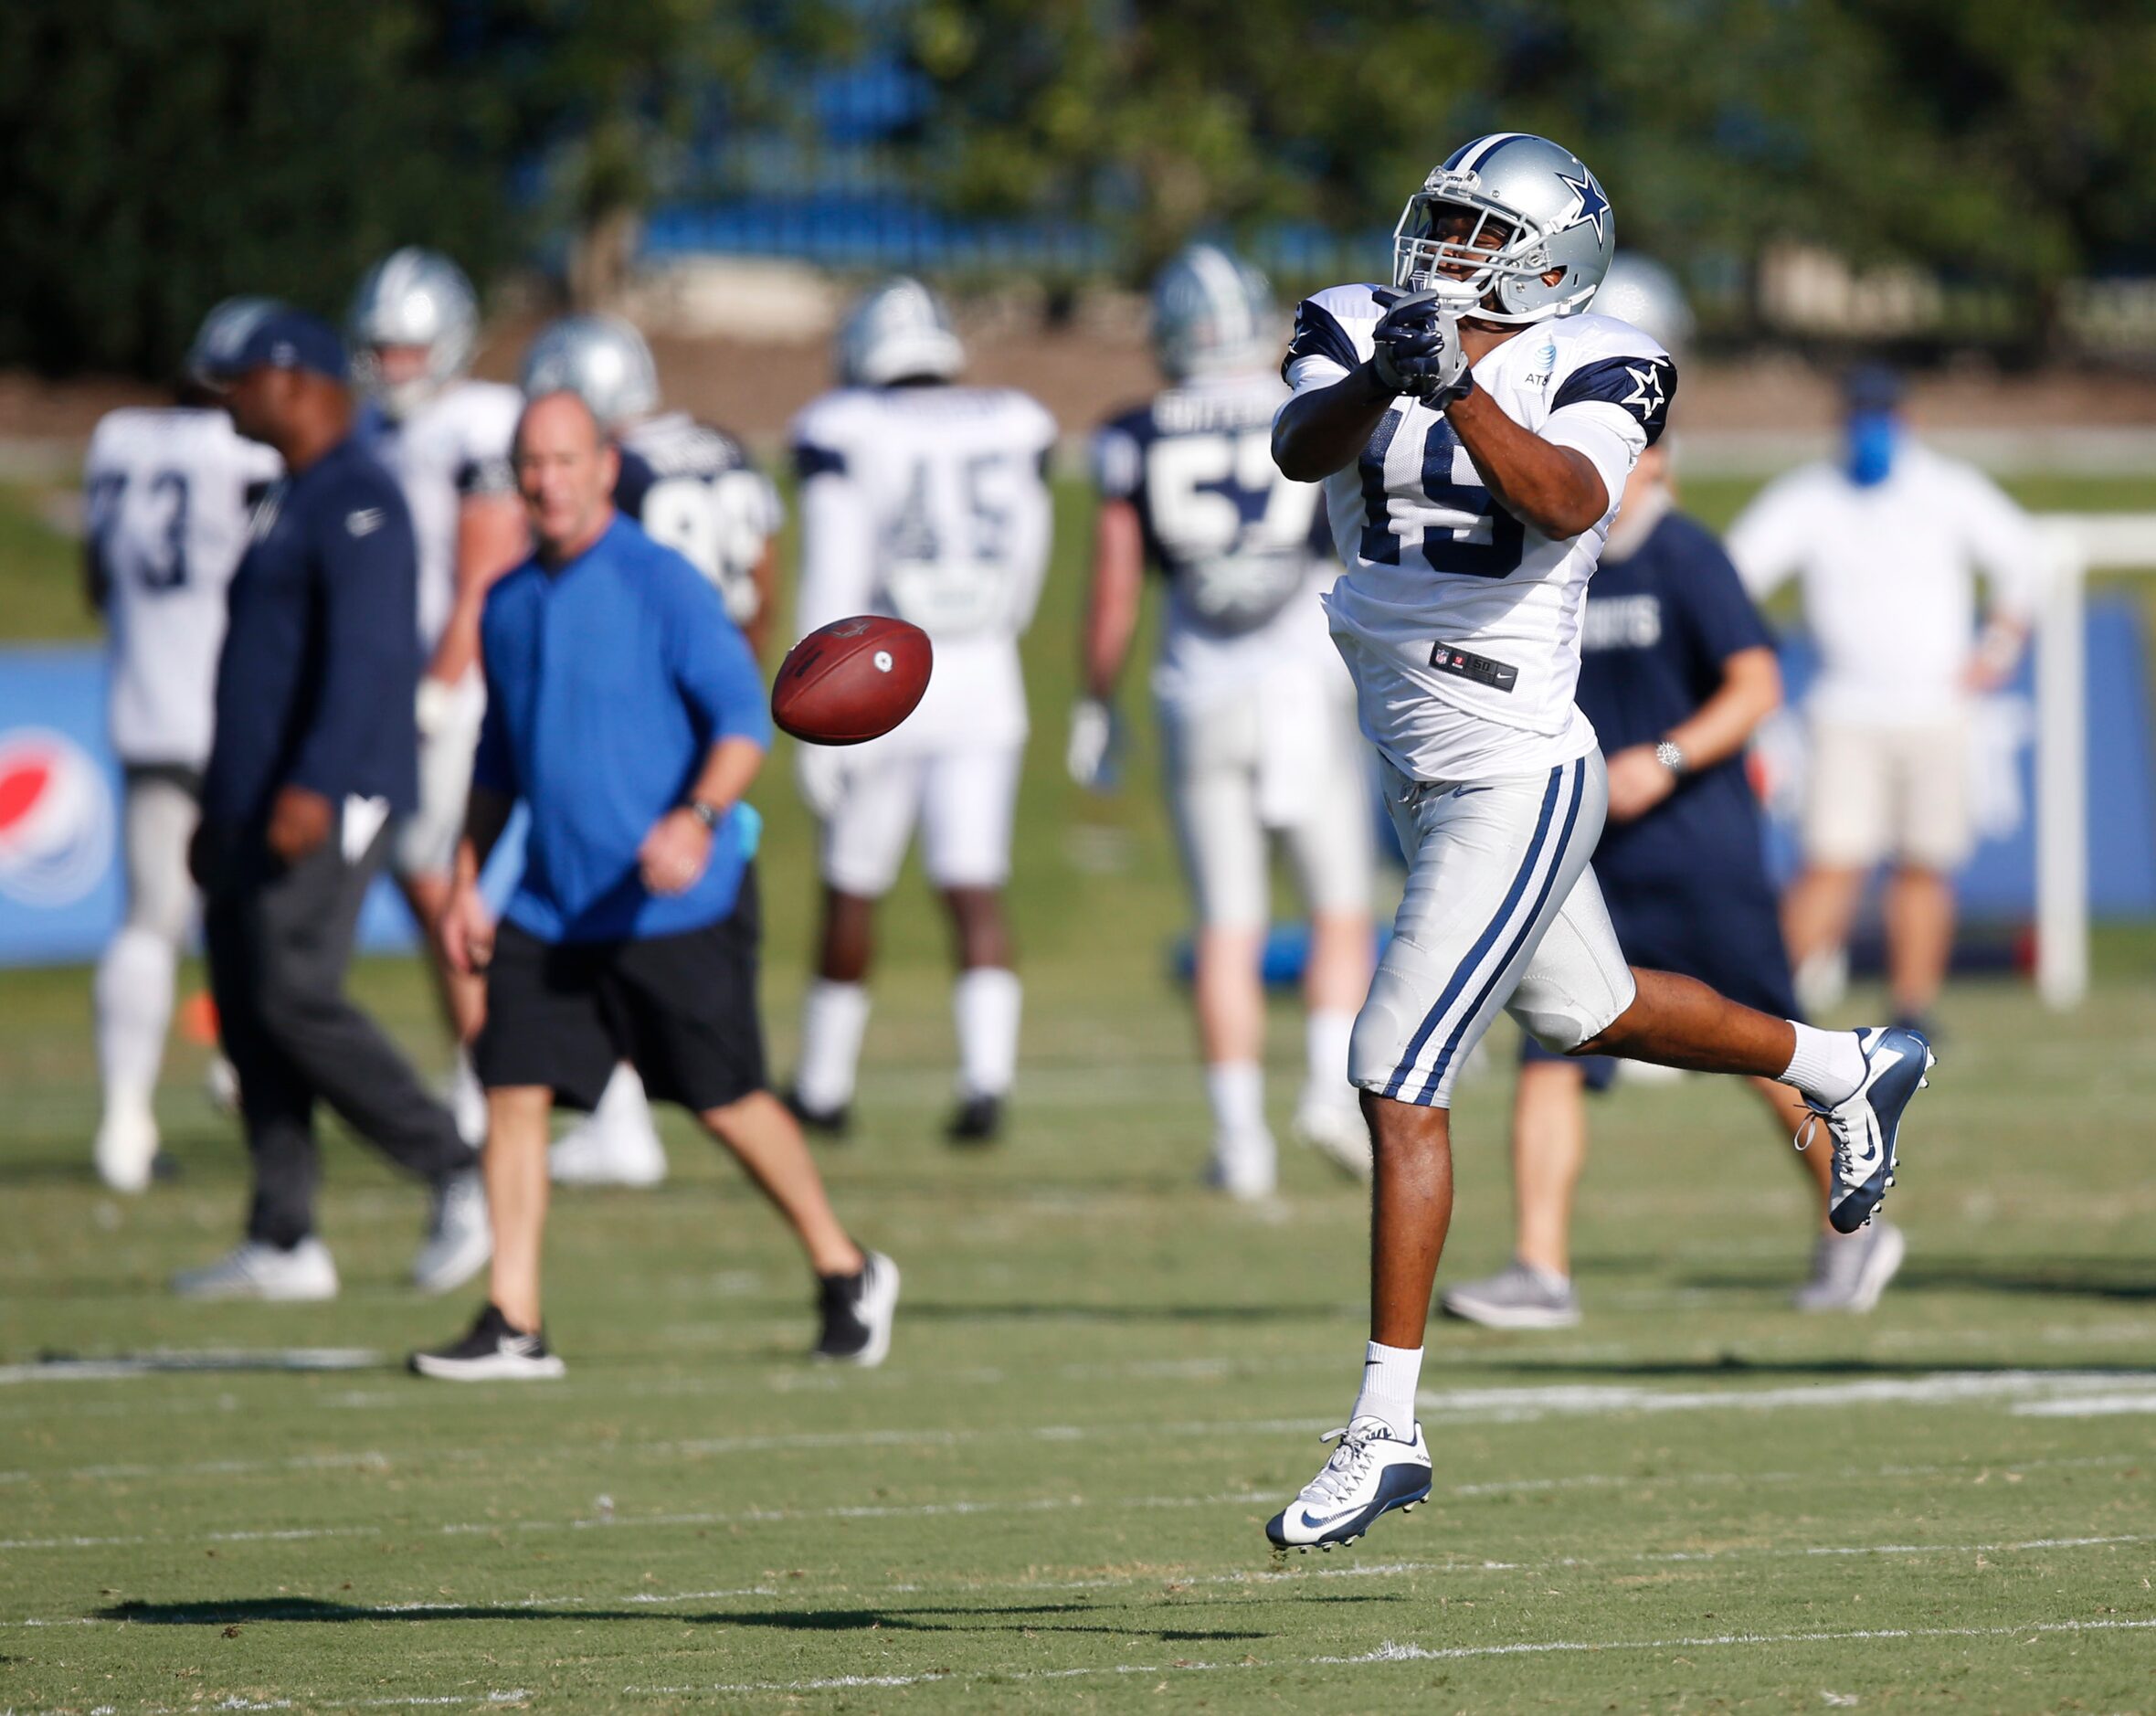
[[930, 503], [1245, 553], [452, 448], [170, 495], [1888, 577], [1460, 622], [695, 489]]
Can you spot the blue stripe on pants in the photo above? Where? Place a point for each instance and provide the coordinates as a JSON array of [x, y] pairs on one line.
[[1488, 940], [1564, 840]]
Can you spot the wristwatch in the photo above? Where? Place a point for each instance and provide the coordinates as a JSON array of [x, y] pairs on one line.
[[710, 815], [1670, 755]]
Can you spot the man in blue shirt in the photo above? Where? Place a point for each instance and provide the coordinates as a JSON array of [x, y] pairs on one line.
[[627, 713], [1677, 669], [313, 753]]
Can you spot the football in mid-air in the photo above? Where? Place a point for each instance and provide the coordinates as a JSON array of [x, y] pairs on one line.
[[852, 681]]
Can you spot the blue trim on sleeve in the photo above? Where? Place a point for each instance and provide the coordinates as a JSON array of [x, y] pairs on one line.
[[1318, 334], [1643, 386], [812, 460]]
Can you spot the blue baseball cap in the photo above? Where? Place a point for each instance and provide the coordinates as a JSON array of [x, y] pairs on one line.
[[280, 338]]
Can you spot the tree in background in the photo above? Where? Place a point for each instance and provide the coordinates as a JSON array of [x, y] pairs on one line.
[[162, 156]]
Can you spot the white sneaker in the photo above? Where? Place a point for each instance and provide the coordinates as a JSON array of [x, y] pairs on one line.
[[125, 1150], [589, 1154], [220, 1083], [253, 1269], [1245, 1168], [459, 1240], [1336, 1132], [1370, 1473], [1849, 1271]]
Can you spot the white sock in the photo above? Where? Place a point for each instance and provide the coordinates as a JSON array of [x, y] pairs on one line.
[[1236, 1089], [833, 1017], [623, 1108], [985, 1005], [134, 997], [1389, 1379], [1828, 1065], [1326, 1035]]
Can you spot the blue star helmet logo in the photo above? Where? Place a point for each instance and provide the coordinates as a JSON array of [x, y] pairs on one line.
[[1594, 207]]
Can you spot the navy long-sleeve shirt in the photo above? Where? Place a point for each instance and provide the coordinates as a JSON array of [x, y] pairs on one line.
[[322, 659]]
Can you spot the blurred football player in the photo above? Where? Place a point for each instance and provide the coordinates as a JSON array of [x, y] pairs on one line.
[[170, 490], [927, 501], [1677, 669], [695, 489], [1257, 716], [445, 438], [1885, 545], [1474, 432]]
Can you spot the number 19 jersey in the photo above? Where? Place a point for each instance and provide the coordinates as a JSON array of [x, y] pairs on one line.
[[1459, 621]]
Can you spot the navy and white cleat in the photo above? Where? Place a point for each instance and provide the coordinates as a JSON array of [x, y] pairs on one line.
[[1866, 1127], [1370, 1473]]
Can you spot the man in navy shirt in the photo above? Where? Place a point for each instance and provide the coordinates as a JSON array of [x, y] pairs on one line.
[[314, 752], [1676, 671], [626, 711]]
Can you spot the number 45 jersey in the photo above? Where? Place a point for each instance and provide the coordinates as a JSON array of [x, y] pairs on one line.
[[1460, 622], [929, 502]]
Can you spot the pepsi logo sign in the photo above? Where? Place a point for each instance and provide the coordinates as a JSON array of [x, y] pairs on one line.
[[56, 818]]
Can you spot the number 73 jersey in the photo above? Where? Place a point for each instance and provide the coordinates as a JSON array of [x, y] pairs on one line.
[[1460, 621]]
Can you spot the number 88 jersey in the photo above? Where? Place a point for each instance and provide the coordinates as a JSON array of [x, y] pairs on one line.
[[1450, 606]]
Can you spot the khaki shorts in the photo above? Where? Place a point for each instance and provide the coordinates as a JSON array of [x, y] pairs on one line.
[[1875, 793]]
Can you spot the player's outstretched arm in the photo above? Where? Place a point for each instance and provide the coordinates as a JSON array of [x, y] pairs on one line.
[[1553, 487], [1325, 428]]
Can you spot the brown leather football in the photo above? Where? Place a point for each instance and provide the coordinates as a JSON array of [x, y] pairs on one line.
[[852, 680]]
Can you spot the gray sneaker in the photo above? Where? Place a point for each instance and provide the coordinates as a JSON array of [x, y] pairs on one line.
[[459, 1240], [256, 1270], [1518, 1296], [1849, 1271]]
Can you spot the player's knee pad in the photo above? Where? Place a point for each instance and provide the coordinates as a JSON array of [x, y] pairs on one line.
[[1559, 1032], [1380, 1040]]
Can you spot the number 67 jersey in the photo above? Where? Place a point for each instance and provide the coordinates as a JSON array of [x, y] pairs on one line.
[[1460, 622]]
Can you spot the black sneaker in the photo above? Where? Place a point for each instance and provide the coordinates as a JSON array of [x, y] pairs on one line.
[[491, 1353], [856, 1313], [831, 1123], [979, 1120]]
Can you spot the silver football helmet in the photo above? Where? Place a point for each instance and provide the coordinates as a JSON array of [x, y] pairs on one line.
[[895, 331], [223, 333], [602, 360], [1642, 291], [1212, 314], [1546, 210], [412, 298]]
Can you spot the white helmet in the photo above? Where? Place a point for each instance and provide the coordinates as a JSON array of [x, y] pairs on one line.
[[412, 297], [1212, 314], [602, 360], [895, 332], [1555, 218], [1642, 291]]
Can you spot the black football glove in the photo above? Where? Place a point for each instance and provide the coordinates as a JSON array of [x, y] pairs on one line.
[[1419, 350]]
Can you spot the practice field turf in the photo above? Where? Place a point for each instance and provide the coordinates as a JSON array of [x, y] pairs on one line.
[[1104, 1381]]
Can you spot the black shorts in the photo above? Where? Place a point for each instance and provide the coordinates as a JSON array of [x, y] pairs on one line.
[[680, 1009]]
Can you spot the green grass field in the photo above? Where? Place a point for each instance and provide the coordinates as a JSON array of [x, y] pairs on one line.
[[1104, 1382]]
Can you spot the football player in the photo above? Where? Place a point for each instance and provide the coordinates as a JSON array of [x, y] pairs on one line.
[[693, 488], [927, 501], [1475, 430], [445, 438], [170, 491], [1257, 718], [1677, 671]]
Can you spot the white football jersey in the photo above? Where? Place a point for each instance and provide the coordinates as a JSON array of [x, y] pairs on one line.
[[694, 488], [453, 448], [931, 504], [169, 496], [1245, 553], [1461, 622]]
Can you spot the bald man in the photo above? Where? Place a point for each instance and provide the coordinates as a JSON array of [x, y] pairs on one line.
[[625, 709]]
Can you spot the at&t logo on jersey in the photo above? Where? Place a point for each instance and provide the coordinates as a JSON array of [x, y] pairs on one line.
[[56, 818]]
